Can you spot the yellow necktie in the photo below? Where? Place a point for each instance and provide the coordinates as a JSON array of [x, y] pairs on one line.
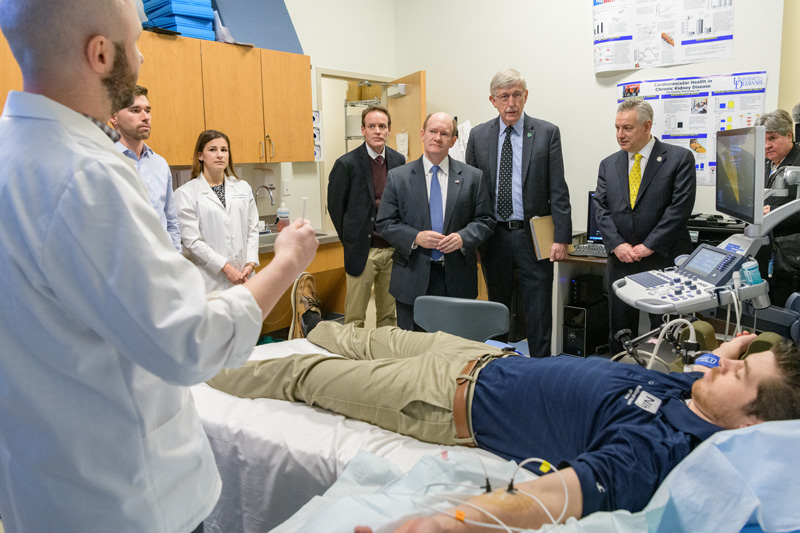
[[635, 178]]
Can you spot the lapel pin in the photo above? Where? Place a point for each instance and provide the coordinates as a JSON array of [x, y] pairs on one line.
[[530, 134], [458, 181], [658, 159]]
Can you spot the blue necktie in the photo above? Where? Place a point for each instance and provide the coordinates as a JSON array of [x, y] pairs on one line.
[[437, 217]]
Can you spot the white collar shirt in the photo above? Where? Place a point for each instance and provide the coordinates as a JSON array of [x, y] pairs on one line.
[[645, 152]]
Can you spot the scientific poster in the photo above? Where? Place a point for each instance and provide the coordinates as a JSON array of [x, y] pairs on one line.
[[689, 111], [633, 34]]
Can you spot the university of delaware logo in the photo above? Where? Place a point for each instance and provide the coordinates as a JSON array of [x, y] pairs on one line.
[[643, 400], [743, 82]]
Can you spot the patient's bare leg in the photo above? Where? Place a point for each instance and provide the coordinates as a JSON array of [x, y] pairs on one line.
[[393, 343]]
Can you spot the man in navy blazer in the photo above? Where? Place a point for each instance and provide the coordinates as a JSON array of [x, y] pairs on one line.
[[646, 230], [355, 188], [538, 188], [404, 219]]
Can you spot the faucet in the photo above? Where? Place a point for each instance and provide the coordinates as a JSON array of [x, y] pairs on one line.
[[269, 189]]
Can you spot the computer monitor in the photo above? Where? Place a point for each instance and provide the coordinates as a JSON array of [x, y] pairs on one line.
[[740, 173], [592, 230]]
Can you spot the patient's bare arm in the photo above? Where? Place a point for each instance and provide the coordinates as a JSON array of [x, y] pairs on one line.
[[733, 349], [515, 509]]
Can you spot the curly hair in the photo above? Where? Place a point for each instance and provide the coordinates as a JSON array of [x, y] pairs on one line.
[[779, 398]]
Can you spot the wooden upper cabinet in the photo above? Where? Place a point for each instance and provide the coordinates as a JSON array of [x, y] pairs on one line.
[[288, 125], [233, 102], [10, 75], [409, 112], [172, 74]]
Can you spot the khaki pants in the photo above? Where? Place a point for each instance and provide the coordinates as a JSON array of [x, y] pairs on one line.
[[400, 380], [377, 273]]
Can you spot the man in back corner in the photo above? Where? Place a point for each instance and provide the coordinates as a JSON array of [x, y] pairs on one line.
[[645, 194], [778, 262], [435, 213], [523, 169], [355, 188], [133, 124], [103, 326]]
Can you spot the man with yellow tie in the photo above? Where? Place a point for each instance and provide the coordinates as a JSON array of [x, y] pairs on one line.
[[645, 194]]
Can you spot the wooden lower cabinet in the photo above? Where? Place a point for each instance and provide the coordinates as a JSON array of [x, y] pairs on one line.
[[328, 270]]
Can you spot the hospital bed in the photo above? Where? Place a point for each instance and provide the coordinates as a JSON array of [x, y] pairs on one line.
[[740, 480], [274, 456]]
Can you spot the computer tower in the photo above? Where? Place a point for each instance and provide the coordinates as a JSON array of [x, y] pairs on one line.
[[585, 328], [586, 290]]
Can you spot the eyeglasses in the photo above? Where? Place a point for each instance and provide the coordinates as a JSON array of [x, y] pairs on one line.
[[516, 95]]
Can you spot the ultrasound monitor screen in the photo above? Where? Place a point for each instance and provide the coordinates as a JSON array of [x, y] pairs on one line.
[[740, 173], [592, 230], [704, 262]]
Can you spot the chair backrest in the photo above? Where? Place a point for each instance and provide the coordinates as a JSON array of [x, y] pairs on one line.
[[477, 320]]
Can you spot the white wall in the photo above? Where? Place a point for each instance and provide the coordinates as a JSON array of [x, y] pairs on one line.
[[352, 35], [347, 35], [551, 44]]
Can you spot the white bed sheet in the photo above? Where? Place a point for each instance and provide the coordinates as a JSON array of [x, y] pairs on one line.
[[739, 480], [274, 456]]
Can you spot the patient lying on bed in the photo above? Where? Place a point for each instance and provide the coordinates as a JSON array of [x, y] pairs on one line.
[[615, 431]]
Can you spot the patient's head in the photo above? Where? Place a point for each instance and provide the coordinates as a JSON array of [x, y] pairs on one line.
[[779, 398], [764, 386]]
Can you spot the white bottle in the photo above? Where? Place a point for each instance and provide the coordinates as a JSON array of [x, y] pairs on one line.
[[283, 216]]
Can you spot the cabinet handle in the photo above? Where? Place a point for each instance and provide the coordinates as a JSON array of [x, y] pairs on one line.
[[272, 147], [261, 147]]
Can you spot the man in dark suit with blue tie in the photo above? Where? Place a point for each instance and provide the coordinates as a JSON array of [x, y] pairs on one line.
[[435, 212], [355, 188], [645, 194], [523, 169]]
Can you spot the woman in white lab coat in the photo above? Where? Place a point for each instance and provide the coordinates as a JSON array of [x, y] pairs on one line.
[[217, 216]]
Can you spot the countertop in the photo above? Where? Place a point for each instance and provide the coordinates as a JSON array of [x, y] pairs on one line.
[[267, 240]]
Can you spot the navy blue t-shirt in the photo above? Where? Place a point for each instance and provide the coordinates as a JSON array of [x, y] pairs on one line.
[[621, 427]]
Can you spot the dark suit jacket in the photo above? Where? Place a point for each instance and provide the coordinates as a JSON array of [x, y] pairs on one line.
[[351, 203], [791, 225], [405, 211], [664, 203], [544, 189]]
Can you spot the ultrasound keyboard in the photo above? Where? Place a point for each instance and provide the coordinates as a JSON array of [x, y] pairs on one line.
[[590, 250]]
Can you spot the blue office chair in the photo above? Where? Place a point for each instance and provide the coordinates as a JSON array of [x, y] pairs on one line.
[[476, 320]]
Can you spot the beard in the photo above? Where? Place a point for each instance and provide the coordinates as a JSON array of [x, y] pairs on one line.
[[121, 81], [721, 413], [133, 132]]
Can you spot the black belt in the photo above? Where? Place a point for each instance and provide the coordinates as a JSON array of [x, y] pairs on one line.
[[511, 224], [437, 263]]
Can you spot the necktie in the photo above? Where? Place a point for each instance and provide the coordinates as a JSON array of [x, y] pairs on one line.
[[504, 206], [378, 178], [437, 217], [635, 178]]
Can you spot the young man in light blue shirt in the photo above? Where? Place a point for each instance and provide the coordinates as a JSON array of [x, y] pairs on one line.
[[133, 125]]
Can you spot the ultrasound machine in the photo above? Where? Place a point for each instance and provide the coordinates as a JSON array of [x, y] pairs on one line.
[[712, 277]]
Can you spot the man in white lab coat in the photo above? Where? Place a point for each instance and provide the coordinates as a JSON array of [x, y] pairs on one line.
[[102, 325]]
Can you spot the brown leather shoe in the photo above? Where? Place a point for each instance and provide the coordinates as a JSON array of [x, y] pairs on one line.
[[304, 298]]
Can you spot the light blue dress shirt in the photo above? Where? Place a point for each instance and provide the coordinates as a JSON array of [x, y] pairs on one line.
[[516, 171], [157, 177]]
